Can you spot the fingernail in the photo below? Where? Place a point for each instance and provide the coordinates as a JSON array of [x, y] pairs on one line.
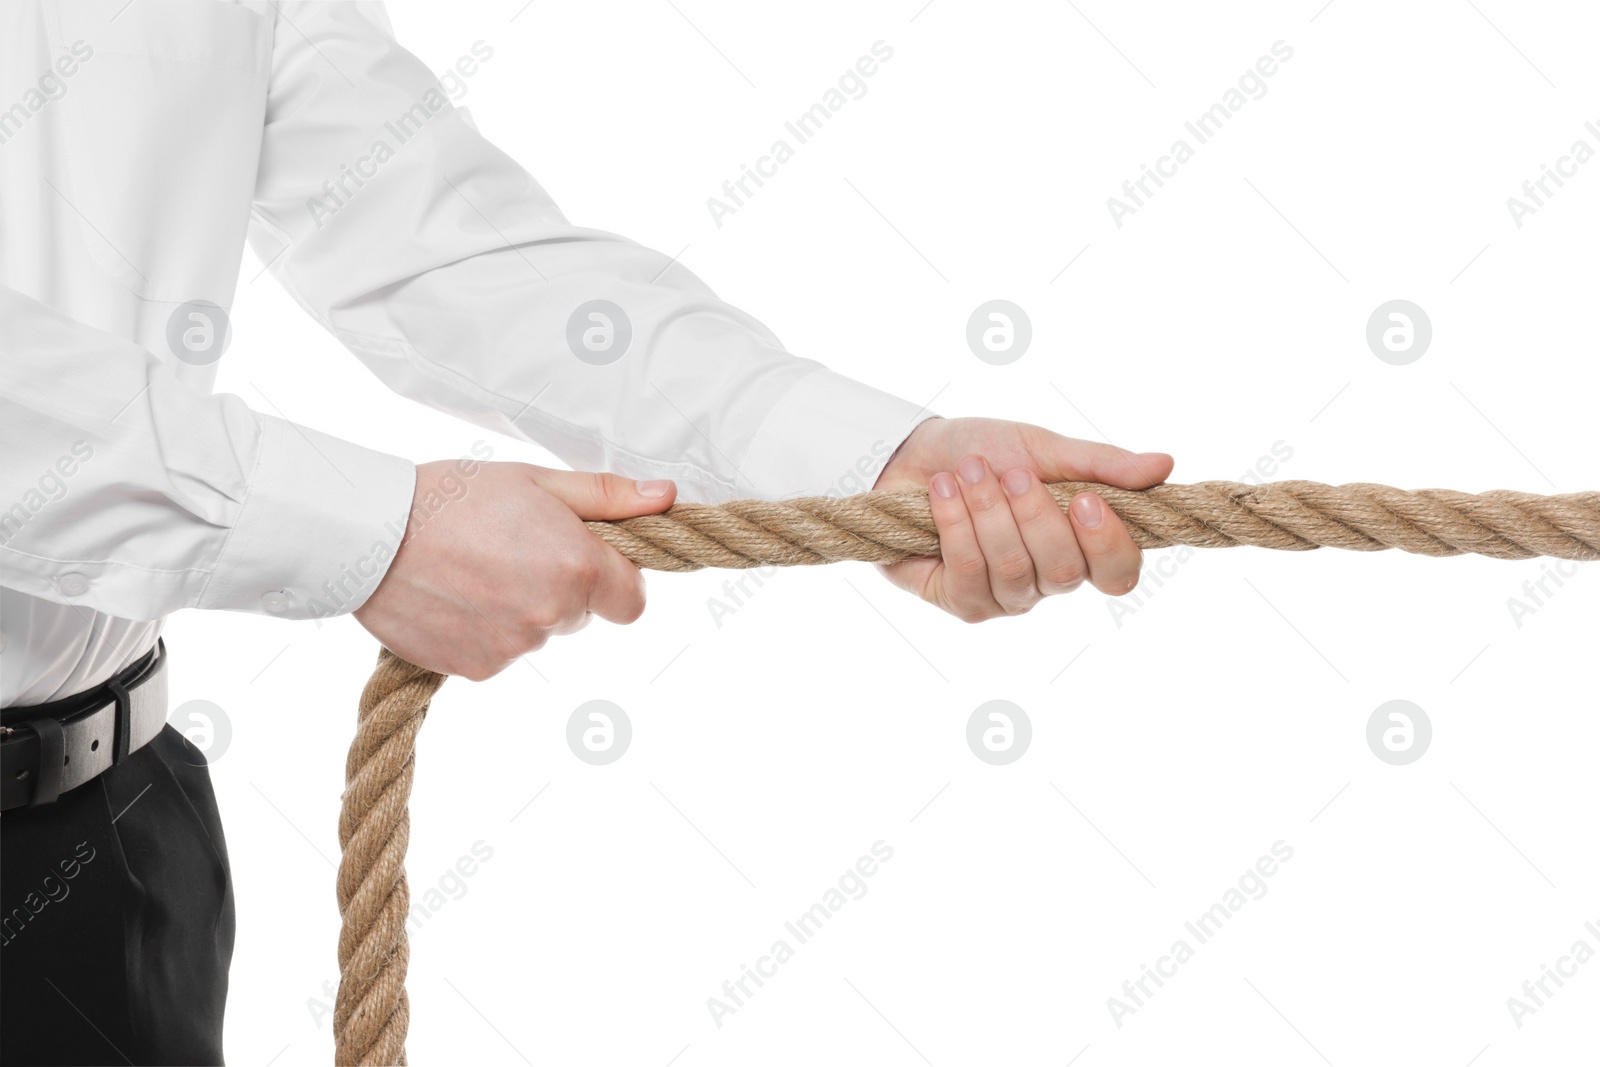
[[1088, 510], [1016, 482], [659, 487], [971, 470], [944, 485]]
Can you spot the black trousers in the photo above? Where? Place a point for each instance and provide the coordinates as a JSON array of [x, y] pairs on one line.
[[117, 922]]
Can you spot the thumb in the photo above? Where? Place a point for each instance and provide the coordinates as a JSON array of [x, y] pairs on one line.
[[1065, 458], [602, 495]]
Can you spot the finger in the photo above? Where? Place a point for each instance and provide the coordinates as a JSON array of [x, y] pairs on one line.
[[1112, 556], [616, 593], [565, 627], [915, 575], [962, 587], [599, 496], [1058, 563], [1068, 459], [1005, 556]]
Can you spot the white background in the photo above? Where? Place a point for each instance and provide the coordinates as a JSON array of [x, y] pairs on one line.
[[1172, 745]]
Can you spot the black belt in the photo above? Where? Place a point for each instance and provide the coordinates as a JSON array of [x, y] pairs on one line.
[[47, 749]]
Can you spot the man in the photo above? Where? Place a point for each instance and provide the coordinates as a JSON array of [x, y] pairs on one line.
[[138, 146]]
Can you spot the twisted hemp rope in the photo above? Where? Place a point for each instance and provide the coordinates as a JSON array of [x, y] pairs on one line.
[[371, 1013]]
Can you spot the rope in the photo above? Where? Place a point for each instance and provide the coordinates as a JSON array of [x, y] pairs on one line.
[[371, 1013], [885, 527]]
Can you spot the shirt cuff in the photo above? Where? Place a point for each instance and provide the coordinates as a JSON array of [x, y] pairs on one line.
[[828, 436], [319, 526]]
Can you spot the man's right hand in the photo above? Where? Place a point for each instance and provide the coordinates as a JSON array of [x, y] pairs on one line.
[[506, 564]]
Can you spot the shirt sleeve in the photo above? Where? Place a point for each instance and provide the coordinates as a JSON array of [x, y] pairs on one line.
[[128, 492], [451, 273]]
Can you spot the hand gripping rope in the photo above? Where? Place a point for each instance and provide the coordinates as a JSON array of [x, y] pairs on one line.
[[372, 1012]]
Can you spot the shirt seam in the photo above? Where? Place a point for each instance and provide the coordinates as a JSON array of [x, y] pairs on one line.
[[101, 563]]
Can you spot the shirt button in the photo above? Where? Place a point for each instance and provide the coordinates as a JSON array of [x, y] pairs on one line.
[[73, 584], [276, 601]]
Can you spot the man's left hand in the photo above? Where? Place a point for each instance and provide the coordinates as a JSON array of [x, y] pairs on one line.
[[1004, 542]]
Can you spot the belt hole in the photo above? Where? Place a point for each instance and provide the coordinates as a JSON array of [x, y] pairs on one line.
[[22, 774], [94, 745], [65, 760]]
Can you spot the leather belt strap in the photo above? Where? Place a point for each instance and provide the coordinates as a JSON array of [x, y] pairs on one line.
[[53, 748], [52, 760]]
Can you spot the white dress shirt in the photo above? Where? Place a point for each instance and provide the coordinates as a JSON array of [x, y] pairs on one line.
[[139, 146]]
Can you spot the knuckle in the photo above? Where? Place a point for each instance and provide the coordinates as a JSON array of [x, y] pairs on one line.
[[983, 502], [633, 605], [1015, 569], [565, 553], [1031, 510], [577, 571], [477, 670], [583, 568], [587, 574], [1065, 576], [608, 489], [952, 521], [969, 565], [536, 619]]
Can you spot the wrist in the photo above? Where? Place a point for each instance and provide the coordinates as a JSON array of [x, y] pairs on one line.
[[905, 464]]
